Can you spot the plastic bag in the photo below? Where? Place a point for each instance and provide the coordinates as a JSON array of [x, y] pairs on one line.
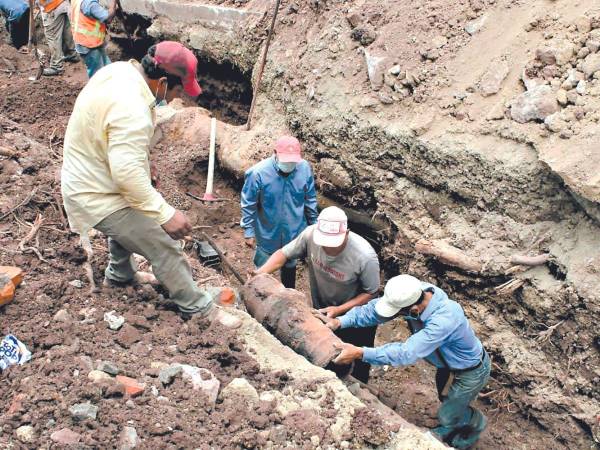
[[12, 351]]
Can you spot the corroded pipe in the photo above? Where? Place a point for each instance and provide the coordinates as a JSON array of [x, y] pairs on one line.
[[286, 313]]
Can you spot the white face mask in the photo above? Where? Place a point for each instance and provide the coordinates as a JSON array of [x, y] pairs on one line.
[[163, 101]]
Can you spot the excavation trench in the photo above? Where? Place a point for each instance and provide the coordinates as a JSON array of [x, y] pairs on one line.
[[399, 189]]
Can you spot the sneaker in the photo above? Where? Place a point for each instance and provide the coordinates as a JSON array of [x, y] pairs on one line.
[[219, 315], [51, 72]]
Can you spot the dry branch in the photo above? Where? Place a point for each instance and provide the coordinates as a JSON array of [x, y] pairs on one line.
[[35, 227], [448, 255], [530, 260], [510, 286], [547, 334]]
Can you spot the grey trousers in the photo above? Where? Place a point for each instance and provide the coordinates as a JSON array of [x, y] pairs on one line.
[[57, 29], [129, 231]]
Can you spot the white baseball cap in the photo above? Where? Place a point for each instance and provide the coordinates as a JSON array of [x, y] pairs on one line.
[[400, 292], [331, 228]]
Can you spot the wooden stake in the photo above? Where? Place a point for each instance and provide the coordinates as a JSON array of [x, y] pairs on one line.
[[262, 65]]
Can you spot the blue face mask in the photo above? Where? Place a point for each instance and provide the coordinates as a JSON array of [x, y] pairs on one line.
[[286, 167]]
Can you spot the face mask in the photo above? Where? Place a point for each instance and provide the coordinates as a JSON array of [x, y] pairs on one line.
[[286, 167]]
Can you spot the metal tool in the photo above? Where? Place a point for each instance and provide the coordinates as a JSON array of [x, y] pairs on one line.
[[208, 195], [224, 259]]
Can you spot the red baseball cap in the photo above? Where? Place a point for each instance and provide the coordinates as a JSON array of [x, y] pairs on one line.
[[288, 149], [177, 60]]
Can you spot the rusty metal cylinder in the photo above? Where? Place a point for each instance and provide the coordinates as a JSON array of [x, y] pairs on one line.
[[286, 313]]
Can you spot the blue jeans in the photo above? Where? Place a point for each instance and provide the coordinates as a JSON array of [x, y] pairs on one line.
[[95, 60], [288, 271], [461, 424]]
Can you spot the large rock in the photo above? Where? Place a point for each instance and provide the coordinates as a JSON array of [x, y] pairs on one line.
[[578, 165], [376, 66], [591, 65], [491, 82], [535, 104], [555, 51]]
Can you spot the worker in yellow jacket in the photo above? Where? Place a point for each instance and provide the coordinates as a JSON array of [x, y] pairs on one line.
[[106, 177], [57, 29]]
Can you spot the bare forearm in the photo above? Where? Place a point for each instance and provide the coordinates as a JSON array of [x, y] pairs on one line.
[[275, 262], [361, 299]]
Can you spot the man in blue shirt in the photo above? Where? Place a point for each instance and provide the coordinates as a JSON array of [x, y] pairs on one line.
[[442, 336], [278, 202], [16, 14]]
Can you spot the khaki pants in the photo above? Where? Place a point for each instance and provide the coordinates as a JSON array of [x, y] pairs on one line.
[[57, 29], [129, 231]]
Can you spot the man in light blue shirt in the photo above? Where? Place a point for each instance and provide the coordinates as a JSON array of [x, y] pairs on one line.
[[442, 336], [278, 202]]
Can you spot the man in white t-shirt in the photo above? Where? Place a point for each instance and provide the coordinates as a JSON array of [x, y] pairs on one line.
[[343, 270]]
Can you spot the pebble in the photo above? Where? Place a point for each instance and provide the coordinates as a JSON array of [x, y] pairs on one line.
[[128, 336], [581, 87], [113, 320], [474, 26], [108, 367], [583, 24], [315, 440], [25, 434], [62, 315], [82, 411], [65, 436], [561, 97], [395, 70], [168, 374], [128, 439], [240, 387], [97, 376], [132, 387], [439, 41], [76, 283]]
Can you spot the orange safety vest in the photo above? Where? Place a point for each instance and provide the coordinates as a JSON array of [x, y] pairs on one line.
[[87, 31], [49, 5]]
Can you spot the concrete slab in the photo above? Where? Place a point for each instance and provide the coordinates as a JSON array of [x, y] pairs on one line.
[[189, 13]]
